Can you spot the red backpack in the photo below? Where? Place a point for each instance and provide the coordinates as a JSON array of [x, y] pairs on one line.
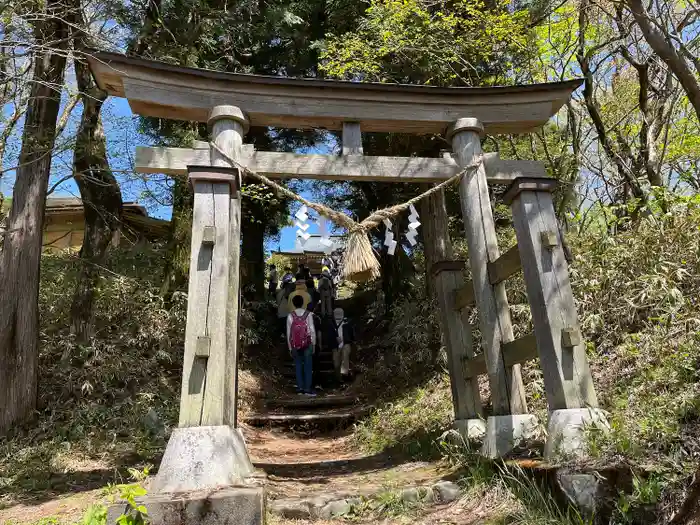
[[299, 333]]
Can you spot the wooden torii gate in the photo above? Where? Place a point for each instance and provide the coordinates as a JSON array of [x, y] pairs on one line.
[[230, 103]]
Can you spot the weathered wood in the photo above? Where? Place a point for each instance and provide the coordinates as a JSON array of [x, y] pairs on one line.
[[507, 390], [466, 398], [174, 161], [228, 125], [549, 239], [522, 349], [464, 296], [194, 369], [203, 346], [352, 139], [567, 378], [162, 90], [441, 266], [233, 308], [211, 335], [528, 183], [220, 367], [209, 235], [505, 266], [514, 353]]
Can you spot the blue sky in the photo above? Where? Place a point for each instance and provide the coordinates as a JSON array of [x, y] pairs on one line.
[[121, 129]]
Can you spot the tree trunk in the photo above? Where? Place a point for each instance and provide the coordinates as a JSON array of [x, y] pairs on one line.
[[19, 266], [662, 47], [177, 262], [253, 256], [102, 201]]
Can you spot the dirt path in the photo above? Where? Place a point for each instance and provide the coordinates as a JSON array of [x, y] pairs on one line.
[[297, 465]]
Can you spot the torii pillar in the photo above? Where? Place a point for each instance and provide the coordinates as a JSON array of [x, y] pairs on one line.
[[510, 423], [207, 454]]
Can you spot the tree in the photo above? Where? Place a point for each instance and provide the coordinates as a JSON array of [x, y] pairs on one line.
[[19, 264], [670, 31], [99, 190]]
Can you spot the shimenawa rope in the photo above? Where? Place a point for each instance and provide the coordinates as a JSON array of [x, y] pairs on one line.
[[359, 261]]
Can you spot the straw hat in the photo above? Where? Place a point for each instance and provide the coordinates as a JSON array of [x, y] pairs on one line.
[[304, 294]]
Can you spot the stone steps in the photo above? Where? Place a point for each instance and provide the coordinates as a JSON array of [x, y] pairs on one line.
[[326, 418], [328, 401]]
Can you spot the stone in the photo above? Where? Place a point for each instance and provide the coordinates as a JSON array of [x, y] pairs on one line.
[[152, 423], [506, 433], [411, 495], [201, 458], [291, 509], [446, 491], [227, 506], [566, 432], [334, 508], [471, 430], [581, 489]]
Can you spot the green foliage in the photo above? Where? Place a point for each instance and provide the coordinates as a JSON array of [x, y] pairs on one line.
[[646, 494], [410, 423], [461, 42], [636, 293], [96, 400], [94, 515]]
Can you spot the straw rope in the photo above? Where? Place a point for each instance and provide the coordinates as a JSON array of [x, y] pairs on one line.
[[359, 262]]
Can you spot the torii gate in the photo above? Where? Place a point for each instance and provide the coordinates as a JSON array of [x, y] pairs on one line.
[[207, 450]]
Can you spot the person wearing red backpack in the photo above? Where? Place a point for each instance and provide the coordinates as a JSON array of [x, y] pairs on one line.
[[301, 340]]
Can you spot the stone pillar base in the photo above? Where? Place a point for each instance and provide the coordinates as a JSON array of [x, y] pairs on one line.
[[471, 430], [506, 433], [239, 505], [566, 432], [201, 458]]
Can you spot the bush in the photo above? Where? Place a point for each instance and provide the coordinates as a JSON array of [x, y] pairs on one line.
[[109, 402]]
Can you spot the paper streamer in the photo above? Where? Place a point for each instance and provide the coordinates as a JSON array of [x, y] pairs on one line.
[[413, 224], [301, 224], [389, 241]]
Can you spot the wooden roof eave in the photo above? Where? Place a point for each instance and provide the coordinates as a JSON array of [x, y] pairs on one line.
[[163, 90]]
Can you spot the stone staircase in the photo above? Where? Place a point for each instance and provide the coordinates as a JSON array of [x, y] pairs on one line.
[[333, 408]]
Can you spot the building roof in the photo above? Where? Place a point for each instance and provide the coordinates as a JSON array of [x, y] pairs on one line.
[[135, 215], [57, 205], [313, 246]]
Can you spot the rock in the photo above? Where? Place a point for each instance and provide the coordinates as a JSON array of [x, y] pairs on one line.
[[410, 495], [334, 509], [416, 494], [240, 505], [507, 433], [153, 423], [200, 458], [582, 490], [446, 491], [290, 508], [566, 432]]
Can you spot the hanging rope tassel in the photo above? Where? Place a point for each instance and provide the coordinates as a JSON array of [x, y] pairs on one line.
[[359, 263]]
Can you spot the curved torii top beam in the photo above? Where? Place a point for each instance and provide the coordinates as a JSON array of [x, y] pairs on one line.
[[158, 89]]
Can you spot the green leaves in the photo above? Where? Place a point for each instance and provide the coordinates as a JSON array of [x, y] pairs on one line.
[[406, 41]]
